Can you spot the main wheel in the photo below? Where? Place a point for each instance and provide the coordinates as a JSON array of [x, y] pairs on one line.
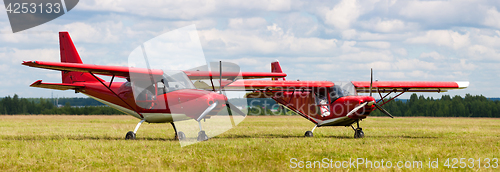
[[130, 136], [202, 136], [181, 135], [359, 133], [309, 134]]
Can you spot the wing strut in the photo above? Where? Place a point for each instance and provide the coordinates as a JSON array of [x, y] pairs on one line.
[[406, 89], [116, 94]]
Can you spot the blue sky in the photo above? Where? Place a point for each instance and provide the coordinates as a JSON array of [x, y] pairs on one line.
[[313, 40]]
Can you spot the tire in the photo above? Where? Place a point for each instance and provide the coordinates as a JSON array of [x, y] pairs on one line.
[[202, 136], [181, 135], [309, 134], [359, 133], [130, 136]]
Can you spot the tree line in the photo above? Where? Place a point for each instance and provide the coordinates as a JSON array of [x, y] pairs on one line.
[[85, 106], [456, 106], [446, 106]]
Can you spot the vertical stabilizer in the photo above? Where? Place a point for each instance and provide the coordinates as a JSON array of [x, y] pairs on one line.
[[70, 55], [276, 68]]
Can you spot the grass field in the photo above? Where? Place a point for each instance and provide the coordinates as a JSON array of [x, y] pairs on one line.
[[268, 143]]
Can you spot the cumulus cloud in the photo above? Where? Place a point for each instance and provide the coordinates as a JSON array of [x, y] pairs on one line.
[[492, 18], [389, 25], [343, 15], [432, 55], [247, 23], [447, 38]]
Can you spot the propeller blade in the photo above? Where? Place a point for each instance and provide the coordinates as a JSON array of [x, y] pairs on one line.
[[234, 108], [356, 108], [383, 110]]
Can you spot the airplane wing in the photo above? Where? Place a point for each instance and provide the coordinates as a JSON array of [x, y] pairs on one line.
[[268, 84], [408, 86], [121, 71], [125, 71], [199, 75], [56, 86]]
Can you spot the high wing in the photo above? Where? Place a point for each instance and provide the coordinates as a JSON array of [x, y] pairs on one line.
[[123, 71], [95, 69], [200, 75], [268, 84], [408, 86]]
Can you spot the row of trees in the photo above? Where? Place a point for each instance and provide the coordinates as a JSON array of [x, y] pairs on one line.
[[446, 106], [468, 106], [15, 105]]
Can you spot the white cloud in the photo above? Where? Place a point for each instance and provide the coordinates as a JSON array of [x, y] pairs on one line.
[[16, 56], [247, 23], [377, 44], [480, 52], [343, 14], [447, 38], [432, 55], [492, 18], [389, 25]]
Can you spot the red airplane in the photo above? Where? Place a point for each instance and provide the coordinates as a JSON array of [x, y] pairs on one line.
[[158, 102], [324, 103]]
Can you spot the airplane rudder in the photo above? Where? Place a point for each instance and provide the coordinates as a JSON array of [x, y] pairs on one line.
[[68, 51], [276, 68]]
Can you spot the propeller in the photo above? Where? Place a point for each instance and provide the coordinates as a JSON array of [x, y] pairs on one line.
[[229, 105], [375, 103]]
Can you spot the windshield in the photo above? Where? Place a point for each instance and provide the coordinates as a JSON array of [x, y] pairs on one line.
[[174, 80], [341, 89]]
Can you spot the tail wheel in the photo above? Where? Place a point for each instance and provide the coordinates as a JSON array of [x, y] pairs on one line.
[[309, 134]]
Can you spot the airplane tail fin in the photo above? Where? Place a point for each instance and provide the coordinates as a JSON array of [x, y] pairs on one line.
[[70, 55], [276, 68]]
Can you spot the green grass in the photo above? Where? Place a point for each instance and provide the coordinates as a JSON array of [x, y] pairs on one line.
[[267, 143]]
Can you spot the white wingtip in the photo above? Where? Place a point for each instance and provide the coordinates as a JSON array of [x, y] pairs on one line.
[[462, 84]]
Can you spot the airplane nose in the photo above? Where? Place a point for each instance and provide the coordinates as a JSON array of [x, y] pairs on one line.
[[214, 97]]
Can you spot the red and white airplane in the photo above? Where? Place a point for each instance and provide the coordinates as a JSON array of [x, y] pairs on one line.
[[324, 103]]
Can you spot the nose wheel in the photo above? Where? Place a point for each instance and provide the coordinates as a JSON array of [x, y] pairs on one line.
[[202, 136], [358, 132]]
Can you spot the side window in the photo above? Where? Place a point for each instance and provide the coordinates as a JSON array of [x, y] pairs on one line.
[[321, 96]]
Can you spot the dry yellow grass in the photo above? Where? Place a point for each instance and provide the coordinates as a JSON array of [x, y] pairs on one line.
[[96, 143]]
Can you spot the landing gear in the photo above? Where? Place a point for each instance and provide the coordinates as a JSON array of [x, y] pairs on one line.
[[131, 134], [310, 133], [358, 132], [202, 136], [178, 135]]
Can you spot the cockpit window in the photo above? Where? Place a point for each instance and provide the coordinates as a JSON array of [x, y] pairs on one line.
[[341, 89], [173, 80]]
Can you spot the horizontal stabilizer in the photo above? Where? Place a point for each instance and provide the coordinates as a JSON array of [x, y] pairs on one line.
[[56, 86]]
